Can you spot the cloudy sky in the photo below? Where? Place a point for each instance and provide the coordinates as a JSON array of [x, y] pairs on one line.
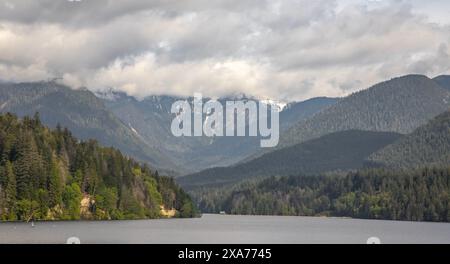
[[278, 49]]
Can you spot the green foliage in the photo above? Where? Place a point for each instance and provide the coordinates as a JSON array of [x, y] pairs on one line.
[[428, 145], [187, 210], [10, 184], [154, 197], [54, 186], [71, 199], [106, 203], [130, 206], [415, 195], [26, 209], [43, 202], [45, 174]]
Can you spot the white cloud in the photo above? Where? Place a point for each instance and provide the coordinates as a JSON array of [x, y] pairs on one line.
[[286, 50]]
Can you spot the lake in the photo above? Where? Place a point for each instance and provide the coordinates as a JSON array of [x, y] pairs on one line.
[[228, 229]]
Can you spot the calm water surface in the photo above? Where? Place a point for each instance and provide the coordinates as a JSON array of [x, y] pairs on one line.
[[228, 229]]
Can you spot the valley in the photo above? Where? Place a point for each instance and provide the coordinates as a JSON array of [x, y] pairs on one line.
[[400, 125]]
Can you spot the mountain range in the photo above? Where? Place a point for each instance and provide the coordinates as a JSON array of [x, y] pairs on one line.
[[82, 113], [327, 141], [399, 105], [398, 125], [406, 180], [151, 118], [140, 128]]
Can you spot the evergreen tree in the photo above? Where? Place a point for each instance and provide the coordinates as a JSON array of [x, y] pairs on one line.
[[54, 186], [413, 195], [10, 186], [45, 174]]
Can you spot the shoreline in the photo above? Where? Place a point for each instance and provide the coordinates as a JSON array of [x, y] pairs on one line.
[[218, 215]]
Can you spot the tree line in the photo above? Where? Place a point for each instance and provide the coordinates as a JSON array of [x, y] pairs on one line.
[[412, 195], [50, 175]]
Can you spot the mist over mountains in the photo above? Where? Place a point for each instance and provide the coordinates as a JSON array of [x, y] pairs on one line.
[[402, 123], [141, 128]]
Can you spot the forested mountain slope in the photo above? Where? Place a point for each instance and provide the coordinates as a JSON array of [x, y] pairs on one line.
[[151, 118], [337, 151], [400, 105], [414, 195], [428, 145], [50, 175], [82, 112]]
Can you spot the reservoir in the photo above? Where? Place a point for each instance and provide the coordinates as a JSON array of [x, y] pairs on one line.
[[228, 229]]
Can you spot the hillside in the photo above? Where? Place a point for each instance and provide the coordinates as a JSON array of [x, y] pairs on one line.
[[429, 145], [151, 119], [338, 151], [82, 112], [139, 128], [444, 81], [299, 111], [399, 105], [50, 175]]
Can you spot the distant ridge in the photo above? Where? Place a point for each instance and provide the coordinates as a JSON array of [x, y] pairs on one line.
[[399, 105], [151, 118], [139, 128], [429, 145], [444, 81], [338, 151], [80, 111]]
